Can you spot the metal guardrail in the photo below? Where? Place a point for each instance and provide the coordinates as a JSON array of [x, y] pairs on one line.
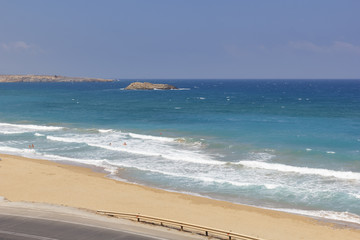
[[181, 225]]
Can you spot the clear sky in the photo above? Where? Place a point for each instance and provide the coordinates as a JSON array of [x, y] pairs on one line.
[[181, 38]]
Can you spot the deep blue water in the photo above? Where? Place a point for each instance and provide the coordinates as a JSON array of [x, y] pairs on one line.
[[284, 144]]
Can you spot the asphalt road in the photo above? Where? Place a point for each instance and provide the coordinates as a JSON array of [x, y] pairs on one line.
[[41, 221], [26, 228]]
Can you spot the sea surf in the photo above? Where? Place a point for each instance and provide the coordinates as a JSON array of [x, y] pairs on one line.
[[290, 145]]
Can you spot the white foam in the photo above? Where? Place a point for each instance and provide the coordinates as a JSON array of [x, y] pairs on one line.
[[106, 130], [59, 158], [355, 195], [174, 155], [331, 215], [149, 137], [201, 178], [146, 148], [6, 149], [330, 152], [39, 135], [301, 170], [103, 163], [238, 184], [271, 186], [11, 132], [62, 139], [7, 128]]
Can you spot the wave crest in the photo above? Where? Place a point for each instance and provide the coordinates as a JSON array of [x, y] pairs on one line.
[[301, 170], [7, 128]]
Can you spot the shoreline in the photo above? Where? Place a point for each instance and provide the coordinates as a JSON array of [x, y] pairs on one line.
[[36, 180], [339, 222], [299, 212]]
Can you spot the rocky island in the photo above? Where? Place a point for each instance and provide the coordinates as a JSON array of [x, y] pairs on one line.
[[48, 78], [149, 86]]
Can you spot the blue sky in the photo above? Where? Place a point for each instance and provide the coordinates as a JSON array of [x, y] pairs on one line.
[[141, 39]]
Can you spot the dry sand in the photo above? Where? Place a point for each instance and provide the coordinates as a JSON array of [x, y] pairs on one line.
[[32, 180]]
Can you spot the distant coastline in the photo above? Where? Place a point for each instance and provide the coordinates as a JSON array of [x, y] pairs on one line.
[[48, 78]]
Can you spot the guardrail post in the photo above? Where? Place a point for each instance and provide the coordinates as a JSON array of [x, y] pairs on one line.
[[174, 224]]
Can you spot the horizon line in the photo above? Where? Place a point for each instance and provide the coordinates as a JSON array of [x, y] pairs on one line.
[[236, 78]]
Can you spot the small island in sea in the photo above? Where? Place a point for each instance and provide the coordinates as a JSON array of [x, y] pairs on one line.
[[149, 86], [48, 78]]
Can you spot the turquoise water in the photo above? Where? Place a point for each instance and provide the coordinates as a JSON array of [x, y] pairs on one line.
[[291, 145]]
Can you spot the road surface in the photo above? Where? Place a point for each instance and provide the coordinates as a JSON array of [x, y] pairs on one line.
[[25, 228], [25, 221]]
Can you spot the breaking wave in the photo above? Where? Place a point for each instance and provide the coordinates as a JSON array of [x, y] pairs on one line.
[[301, 170], [7, 128]]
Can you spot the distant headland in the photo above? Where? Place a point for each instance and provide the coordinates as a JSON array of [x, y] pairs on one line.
[[48, 78]]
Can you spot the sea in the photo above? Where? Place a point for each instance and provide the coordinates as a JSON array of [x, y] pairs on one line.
[[288, 145]]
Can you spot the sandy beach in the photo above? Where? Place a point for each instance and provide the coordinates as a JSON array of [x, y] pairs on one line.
[[33, 180]]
